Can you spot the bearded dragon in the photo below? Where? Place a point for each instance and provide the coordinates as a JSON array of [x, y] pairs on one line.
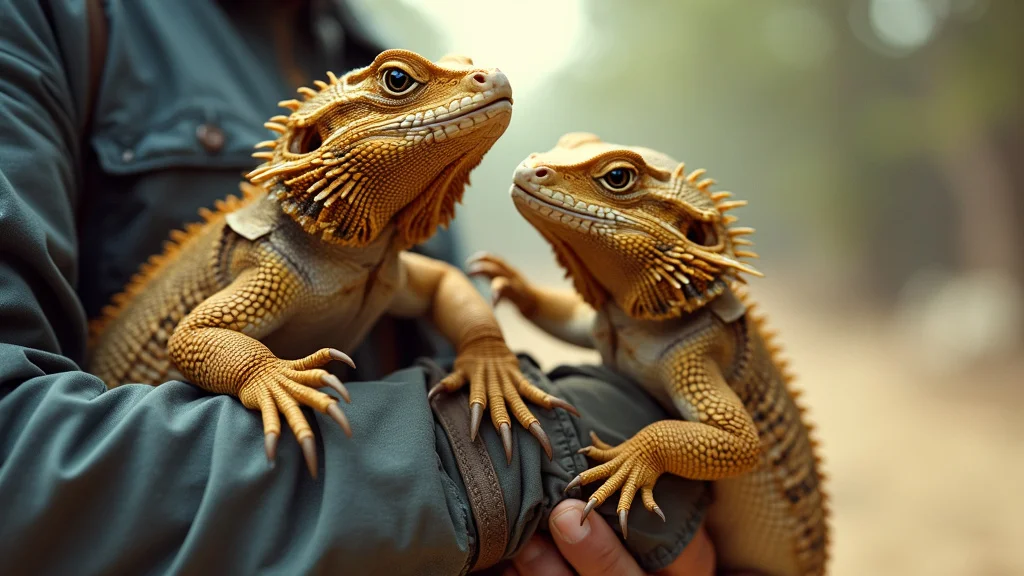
[[655, 262], [364, 167]]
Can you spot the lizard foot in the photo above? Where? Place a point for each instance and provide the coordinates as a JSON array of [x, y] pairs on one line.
[[492, 371], [629, 466], [507, 283], [280, 386]]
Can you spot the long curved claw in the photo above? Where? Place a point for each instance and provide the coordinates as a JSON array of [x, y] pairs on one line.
[[270, 444], [541, 437], [559, 403], [506, 441], [660, 514], [586, 510], [598, 443], [623, 516], [476, 416], [575, 482], [331, 381], [334, 411], [342, 357], [437, 389], [309, 452]]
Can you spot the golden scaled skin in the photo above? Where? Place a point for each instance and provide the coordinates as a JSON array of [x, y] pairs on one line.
[[364, 167], [655, 263]]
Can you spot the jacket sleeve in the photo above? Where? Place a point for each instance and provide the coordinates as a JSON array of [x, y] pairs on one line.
[[169, 479], [166, 479]]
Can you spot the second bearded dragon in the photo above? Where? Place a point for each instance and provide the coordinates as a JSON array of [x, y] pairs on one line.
[[655, 260]]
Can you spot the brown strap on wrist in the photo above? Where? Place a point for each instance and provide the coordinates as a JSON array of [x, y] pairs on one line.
[[482, 488]]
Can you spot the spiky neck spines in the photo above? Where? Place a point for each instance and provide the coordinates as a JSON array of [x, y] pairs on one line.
[[683, 276], [659, 248], [390, 144]]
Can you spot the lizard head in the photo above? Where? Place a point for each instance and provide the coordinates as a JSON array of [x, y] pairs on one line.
[[393, 142], [629, 224]]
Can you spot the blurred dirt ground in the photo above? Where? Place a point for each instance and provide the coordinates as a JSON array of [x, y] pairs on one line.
[[925, 470]]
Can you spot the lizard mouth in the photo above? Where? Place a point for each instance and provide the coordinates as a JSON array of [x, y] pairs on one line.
[[555, 208], [460, 116]]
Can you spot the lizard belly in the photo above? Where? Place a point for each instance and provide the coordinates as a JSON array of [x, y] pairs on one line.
[[636, 351], [339, 322], [346, 299]]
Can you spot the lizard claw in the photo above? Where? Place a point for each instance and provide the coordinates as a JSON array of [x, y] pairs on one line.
[[541, 437], [506, 440], [342, 357], [559, 403], [284, 386], [476, 416], [628, 466], [331, 381], [497, 384], [506, 282], [575, 482], [270, 445], [434, 392], [309, 453], [334, 412], [587, 509]]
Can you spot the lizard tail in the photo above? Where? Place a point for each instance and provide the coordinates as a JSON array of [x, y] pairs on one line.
[[774, 348]]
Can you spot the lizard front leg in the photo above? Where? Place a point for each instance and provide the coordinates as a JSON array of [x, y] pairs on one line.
[[561, 313], [215, 347], [483, 359], [720, 441]]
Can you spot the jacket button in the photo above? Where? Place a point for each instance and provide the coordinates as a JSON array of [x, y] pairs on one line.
[[211, 137]]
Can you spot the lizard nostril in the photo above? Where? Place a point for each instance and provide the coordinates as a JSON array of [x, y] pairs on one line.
[[541, 173], [480, 78]]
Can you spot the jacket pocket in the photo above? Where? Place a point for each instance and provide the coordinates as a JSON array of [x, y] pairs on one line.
[[146, 182], [198, 135]]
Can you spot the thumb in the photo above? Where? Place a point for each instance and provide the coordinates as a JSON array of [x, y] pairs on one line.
[[592, 548]]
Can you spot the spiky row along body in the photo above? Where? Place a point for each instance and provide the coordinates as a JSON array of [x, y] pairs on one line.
[[365, 167], [654, 260]]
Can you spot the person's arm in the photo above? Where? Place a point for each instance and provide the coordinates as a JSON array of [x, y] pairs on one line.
[[168, 479], [143, 479]]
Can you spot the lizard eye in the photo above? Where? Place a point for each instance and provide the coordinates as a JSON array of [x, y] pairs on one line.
[[618, 179], [397, 82]]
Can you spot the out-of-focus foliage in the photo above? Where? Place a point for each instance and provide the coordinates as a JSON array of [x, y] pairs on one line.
[[845, 123]]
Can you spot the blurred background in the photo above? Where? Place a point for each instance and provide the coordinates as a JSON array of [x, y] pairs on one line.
[[880, 144]]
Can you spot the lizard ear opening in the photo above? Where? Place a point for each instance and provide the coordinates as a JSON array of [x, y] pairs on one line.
[[306, 140], [700, 233]]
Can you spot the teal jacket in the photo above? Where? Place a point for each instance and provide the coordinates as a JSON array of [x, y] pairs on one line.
[[94, 172]]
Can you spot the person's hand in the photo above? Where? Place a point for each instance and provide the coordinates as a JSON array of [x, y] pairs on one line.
[[594, 549]]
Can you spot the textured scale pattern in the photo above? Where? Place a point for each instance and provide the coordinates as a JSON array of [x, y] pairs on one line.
[[655, 261], [361, 170], [132, 346]]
